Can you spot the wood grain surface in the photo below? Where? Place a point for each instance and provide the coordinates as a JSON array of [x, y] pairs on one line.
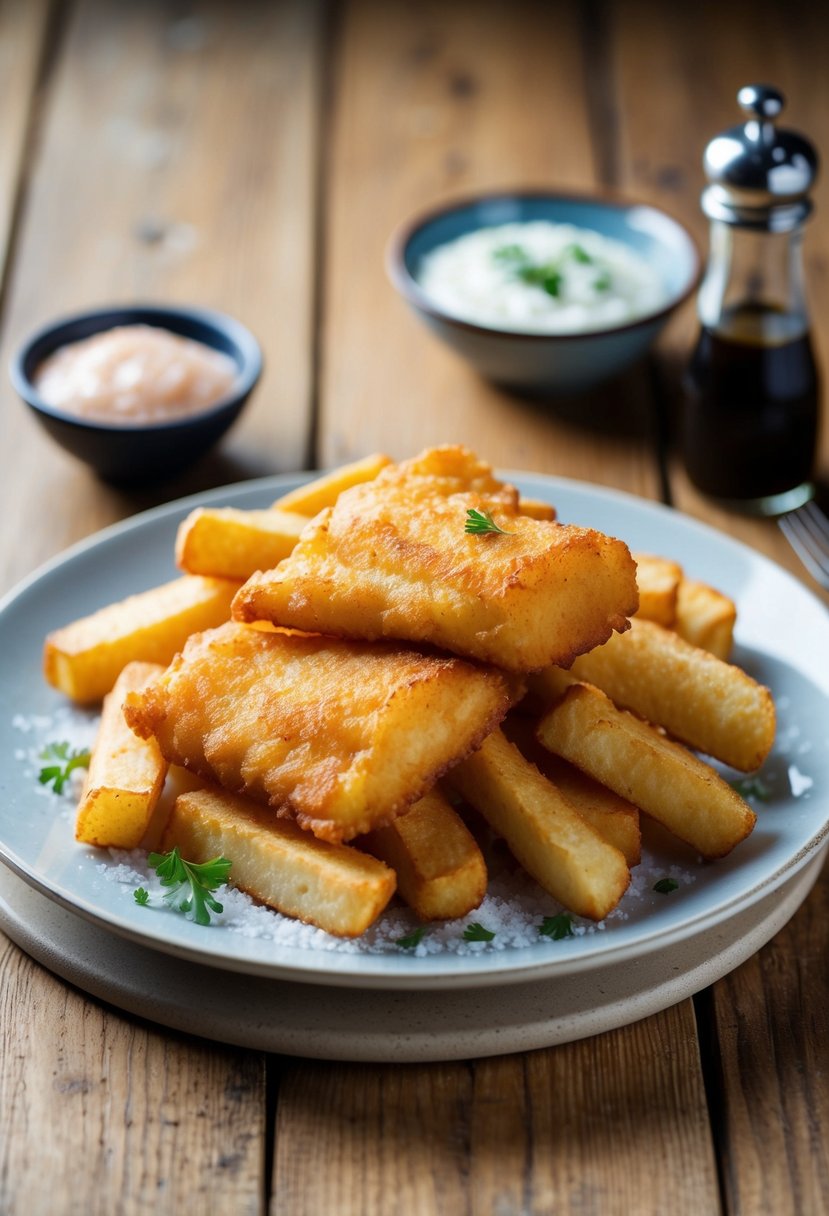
[[192, 141], [453, 121], [256, 157]]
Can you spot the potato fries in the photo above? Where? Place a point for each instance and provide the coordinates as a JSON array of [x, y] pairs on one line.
[[440, 870], [702, 701], [227, 543], [337, 888], [84, 659], [614, 818], [546, 834], [660, 777], [705, 617], [309, 499], [125, 775], [658, 580]]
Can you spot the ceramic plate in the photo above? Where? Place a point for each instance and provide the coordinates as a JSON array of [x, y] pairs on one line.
[[782, 640]]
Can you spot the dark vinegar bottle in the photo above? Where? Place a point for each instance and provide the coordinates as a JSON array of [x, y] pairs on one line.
[[753, 404], [752, 397]]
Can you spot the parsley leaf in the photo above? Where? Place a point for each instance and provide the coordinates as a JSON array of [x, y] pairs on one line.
[[603, 281], [190, 884], [141, 896], [65, 759], [482, 521], [579, 254], [666, 885], [542, 276], [557, 927], [477, 933], [752, 787], [512, 253], [412, 939]]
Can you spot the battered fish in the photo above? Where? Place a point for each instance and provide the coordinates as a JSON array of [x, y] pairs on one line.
[[341, 736], [392, 559]]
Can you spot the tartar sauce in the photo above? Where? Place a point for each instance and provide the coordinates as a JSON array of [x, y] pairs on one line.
[[134, 374], [541, 277]]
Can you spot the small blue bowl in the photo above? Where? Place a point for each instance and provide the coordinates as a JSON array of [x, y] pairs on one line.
[[539, 362], [135, 455]]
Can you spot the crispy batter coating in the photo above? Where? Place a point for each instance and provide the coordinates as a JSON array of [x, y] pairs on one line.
[[341, 736], [392, 559]]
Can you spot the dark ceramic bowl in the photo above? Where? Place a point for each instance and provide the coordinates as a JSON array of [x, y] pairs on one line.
[[149, 452], [544, 362]]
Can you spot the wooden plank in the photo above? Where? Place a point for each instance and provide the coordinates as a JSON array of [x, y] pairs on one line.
[[433, 101], [606, 1126], [176, 162], [772, 1023], [100, 1113], [661, 163], [23, 31]]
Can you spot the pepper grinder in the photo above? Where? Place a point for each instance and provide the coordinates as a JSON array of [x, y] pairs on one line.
[[752, 399]]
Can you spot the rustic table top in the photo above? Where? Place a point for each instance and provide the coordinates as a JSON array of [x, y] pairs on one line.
[[255, 157]]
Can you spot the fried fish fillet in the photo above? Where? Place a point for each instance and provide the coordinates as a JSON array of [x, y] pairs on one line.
[[341, 736], [392, 559]]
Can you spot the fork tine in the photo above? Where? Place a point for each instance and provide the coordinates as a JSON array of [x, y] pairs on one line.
[[818, 521], [811, 548]]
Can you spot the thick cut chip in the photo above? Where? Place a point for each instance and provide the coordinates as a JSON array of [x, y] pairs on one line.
[[544, 831], [331, 886], [340, 735], [660, 777], [614, 818], [125, 775], [392, 559], [441, 872], [712, 706], [226, 542], [325, 490], [705, 617], [658, 580], [84, 659], [536, 508]]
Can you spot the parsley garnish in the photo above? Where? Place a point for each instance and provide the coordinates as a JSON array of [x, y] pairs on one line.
[[412, 939], [66, 761], [477, 933], [579, 254], [752, 787], [481, 521], [189, 884], [557, 927], [666, 885], [512, 253], [141, 896], [548, 275]]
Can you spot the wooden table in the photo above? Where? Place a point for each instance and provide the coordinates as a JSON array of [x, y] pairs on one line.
[[255, 157]]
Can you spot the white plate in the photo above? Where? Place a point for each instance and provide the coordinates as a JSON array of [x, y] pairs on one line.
[[782, 640], [393, 1026]]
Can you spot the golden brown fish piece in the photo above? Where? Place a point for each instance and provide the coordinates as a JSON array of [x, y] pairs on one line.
[[392, 559], [340, 735]]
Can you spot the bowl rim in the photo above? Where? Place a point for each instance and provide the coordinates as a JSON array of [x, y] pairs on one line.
[[411, 290], [249, 360]]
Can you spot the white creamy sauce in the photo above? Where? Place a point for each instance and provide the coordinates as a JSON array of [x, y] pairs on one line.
[[541, 277]]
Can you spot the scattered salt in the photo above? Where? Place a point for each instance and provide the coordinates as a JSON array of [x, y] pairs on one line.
[[799, 782], [513, 908]]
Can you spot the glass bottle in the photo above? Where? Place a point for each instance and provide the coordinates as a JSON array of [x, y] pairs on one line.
[[752, 399]]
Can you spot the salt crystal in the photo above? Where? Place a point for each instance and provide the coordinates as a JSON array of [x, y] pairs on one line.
[[799, 782]]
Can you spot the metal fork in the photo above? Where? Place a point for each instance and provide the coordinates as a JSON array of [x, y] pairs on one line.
[[807, 531]]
